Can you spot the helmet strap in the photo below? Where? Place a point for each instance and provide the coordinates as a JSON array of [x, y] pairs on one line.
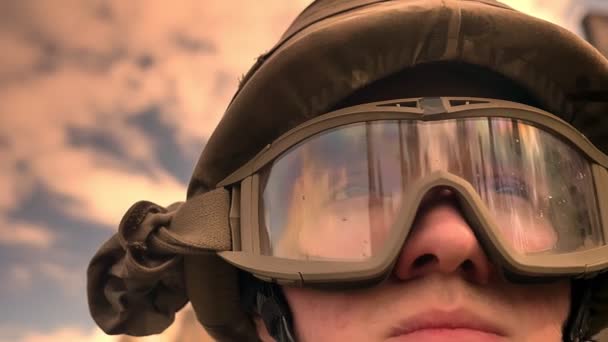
[[271, 305], [577, 326]]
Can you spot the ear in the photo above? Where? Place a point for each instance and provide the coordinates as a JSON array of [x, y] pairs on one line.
[[262, 331]]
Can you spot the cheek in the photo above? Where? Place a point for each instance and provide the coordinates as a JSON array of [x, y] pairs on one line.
[[542, 312], [320, 317]]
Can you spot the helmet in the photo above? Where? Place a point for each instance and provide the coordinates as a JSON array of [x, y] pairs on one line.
[[332, 50]]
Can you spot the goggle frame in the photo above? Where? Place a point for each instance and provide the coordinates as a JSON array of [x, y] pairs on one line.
[[248, 244]]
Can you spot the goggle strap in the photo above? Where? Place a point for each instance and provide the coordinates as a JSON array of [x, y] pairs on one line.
[[200, 225]]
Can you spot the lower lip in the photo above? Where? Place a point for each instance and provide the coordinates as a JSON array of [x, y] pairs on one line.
[[451, 335]]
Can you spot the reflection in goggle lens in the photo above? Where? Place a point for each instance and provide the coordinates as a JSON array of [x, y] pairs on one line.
[[336, 195]]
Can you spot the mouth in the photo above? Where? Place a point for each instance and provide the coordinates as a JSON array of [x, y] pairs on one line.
[[453, 326]]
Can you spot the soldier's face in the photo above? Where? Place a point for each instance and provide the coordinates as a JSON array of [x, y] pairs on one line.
[[443, 288]]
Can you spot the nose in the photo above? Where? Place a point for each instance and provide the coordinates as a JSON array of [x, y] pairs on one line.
[[442, 241]]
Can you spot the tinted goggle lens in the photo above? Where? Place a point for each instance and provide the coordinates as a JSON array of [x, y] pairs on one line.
[[337, 194]]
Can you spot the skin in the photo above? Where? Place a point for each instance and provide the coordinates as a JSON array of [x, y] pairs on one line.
[[442, 269]]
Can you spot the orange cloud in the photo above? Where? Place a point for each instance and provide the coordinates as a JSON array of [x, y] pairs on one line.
[[69, 334], [102, 67], [185, 328], [25, 234]]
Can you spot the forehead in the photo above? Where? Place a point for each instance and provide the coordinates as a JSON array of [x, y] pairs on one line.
[[442, 79]]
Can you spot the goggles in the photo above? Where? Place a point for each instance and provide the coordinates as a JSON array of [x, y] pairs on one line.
[[331, 202]]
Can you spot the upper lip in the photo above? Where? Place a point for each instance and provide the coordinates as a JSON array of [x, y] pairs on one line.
[[437, 319]]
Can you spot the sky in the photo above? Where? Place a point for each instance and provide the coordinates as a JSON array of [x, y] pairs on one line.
[[102, 104]]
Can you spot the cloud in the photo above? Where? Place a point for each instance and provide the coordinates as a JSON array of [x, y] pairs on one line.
[[69, 334], [25, 234], [174, 157], [70, 280], [566, 13], [14, 180], [76, 136], [18, 276], [185, 328], [14, 69], [15, 333], [194, 45]]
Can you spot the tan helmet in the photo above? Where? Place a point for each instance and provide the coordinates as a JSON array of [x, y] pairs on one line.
[[333, 49]]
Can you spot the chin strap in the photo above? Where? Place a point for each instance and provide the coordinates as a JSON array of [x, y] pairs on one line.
[[577, 328], [271, 305]]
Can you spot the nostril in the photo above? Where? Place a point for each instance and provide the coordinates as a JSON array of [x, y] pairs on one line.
[[472, 272], [468, 266], [424, 260]]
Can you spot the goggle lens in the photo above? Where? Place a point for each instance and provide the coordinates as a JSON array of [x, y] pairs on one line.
[[336, 195]]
